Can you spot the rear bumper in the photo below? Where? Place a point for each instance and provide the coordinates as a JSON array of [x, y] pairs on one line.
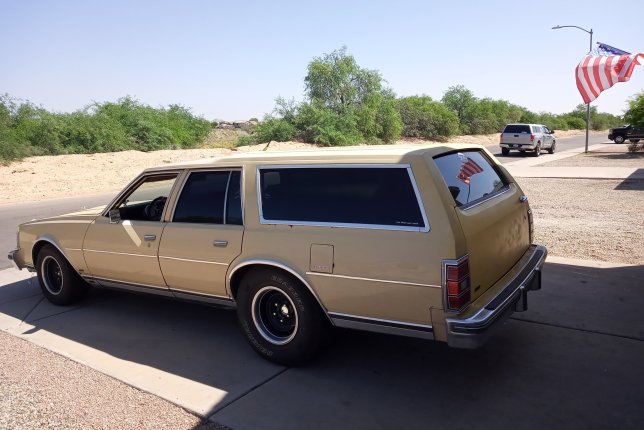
[[511, 294], [524, 146]]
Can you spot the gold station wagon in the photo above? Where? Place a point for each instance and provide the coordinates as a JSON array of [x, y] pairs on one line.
[[427, 241]]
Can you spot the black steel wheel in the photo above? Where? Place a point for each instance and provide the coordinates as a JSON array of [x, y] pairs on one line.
[[281, 319], [58, 280]]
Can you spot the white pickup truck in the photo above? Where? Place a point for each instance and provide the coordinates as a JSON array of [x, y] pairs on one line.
[[527, 137]]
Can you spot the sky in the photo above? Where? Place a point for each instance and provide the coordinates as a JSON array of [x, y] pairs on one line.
[[230, 60]]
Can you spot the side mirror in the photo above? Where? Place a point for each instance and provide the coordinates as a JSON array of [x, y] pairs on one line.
[[114, 215], [551, 131]]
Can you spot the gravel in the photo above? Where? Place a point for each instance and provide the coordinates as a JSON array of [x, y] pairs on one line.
[[42, 390], [592, 219]]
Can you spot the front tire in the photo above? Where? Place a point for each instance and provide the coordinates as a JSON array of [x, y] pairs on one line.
[[619, 139], [280, 318], [58, 280]]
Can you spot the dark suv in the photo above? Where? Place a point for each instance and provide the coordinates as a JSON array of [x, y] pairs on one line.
[[620, 134]]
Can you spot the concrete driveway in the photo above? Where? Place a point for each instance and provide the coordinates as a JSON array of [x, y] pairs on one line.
[[574, 360]]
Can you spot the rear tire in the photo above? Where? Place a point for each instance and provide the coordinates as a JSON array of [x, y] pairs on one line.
[[280, 318], [505, 151], [633, 140], [537, 150], [58, 280], [619, 139], [551, 150]]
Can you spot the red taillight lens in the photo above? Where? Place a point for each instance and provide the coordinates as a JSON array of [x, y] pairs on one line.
[[532, 138], [457, 285]]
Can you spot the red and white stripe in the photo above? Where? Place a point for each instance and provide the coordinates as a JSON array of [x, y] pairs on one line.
[[595, 74], [468, 168]]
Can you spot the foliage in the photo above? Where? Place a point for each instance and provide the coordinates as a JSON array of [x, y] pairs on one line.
[[26, 129], [336, 81], [635, 113], [277, 129], [423, 117]]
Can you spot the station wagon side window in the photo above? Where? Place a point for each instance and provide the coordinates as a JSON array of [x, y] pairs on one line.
[[210, 197], [362, 196], [470, 176]]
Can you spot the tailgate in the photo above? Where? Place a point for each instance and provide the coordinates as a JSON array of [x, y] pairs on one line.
[[514, 138], [491, 212]]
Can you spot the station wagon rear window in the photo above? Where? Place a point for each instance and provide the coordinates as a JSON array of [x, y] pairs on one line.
[[470, 176], [368, 197]]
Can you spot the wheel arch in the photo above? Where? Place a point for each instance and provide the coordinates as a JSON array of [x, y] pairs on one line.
[[46, 240], [237, 273]]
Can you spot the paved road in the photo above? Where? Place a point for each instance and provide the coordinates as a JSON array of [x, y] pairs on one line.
[[563, 144]]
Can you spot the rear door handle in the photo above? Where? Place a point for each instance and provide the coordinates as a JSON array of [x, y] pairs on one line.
[[220, 243], [523, 199], [150, 237]]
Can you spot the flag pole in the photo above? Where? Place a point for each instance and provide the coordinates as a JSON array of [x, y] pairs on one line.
[[589, 50]]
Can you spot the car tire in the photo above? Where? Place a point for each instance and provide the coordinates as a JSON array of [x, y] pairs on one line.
[[505, 151], [58, 280], [551, 150], [537, 150], [633, 140], [280, 318], [619, 139]]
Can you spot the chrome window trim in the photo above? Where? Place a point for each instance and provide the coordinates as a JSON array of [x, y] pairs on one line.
[[489, 197], [356, 278], [230, 174], [280, 266], [379, 325], [406, 166], [193, 261], [135, 183]]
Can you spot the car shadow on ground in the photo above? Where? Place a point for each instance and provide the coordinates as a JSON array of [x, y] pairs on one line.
[[573, 359]]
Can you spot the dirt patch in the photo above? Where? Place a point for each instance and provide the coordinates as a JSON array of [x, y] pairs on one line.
[[588, 219]]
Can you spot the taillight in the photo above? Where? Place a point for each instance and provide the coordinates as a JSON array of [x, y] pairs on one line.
[[457, 284], [532, 138]]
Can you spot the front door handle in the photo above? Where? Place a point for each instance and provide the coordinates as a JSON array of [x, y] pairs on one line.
[[220, 243], [150, 237]]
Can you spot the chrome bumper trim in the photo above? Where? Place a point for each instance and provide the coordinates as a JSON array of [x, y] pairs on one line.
[[472, 331], [12, 257]]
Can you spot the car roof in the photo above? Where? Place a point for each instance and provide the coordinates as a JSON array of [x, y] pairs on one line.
[[353, 154]]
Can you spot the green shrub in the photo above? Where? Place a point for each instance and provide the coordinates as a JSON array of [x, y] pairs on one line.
[[423, 117], [274, 129], [246, 140]]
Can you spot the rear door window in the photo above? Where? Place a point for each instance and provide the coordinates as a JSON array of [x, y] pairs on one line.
[[516, 128], [470, 176], [366, 197], [210, 197]]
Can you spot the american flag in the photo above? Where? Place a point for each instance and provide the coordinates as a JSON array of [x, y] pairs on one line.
[[468, 168], [598, 72]]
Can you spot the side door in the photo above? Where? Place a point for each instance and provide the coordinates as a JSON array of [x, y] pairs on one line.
[[547, 136], [121, 249], [204, 234]]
